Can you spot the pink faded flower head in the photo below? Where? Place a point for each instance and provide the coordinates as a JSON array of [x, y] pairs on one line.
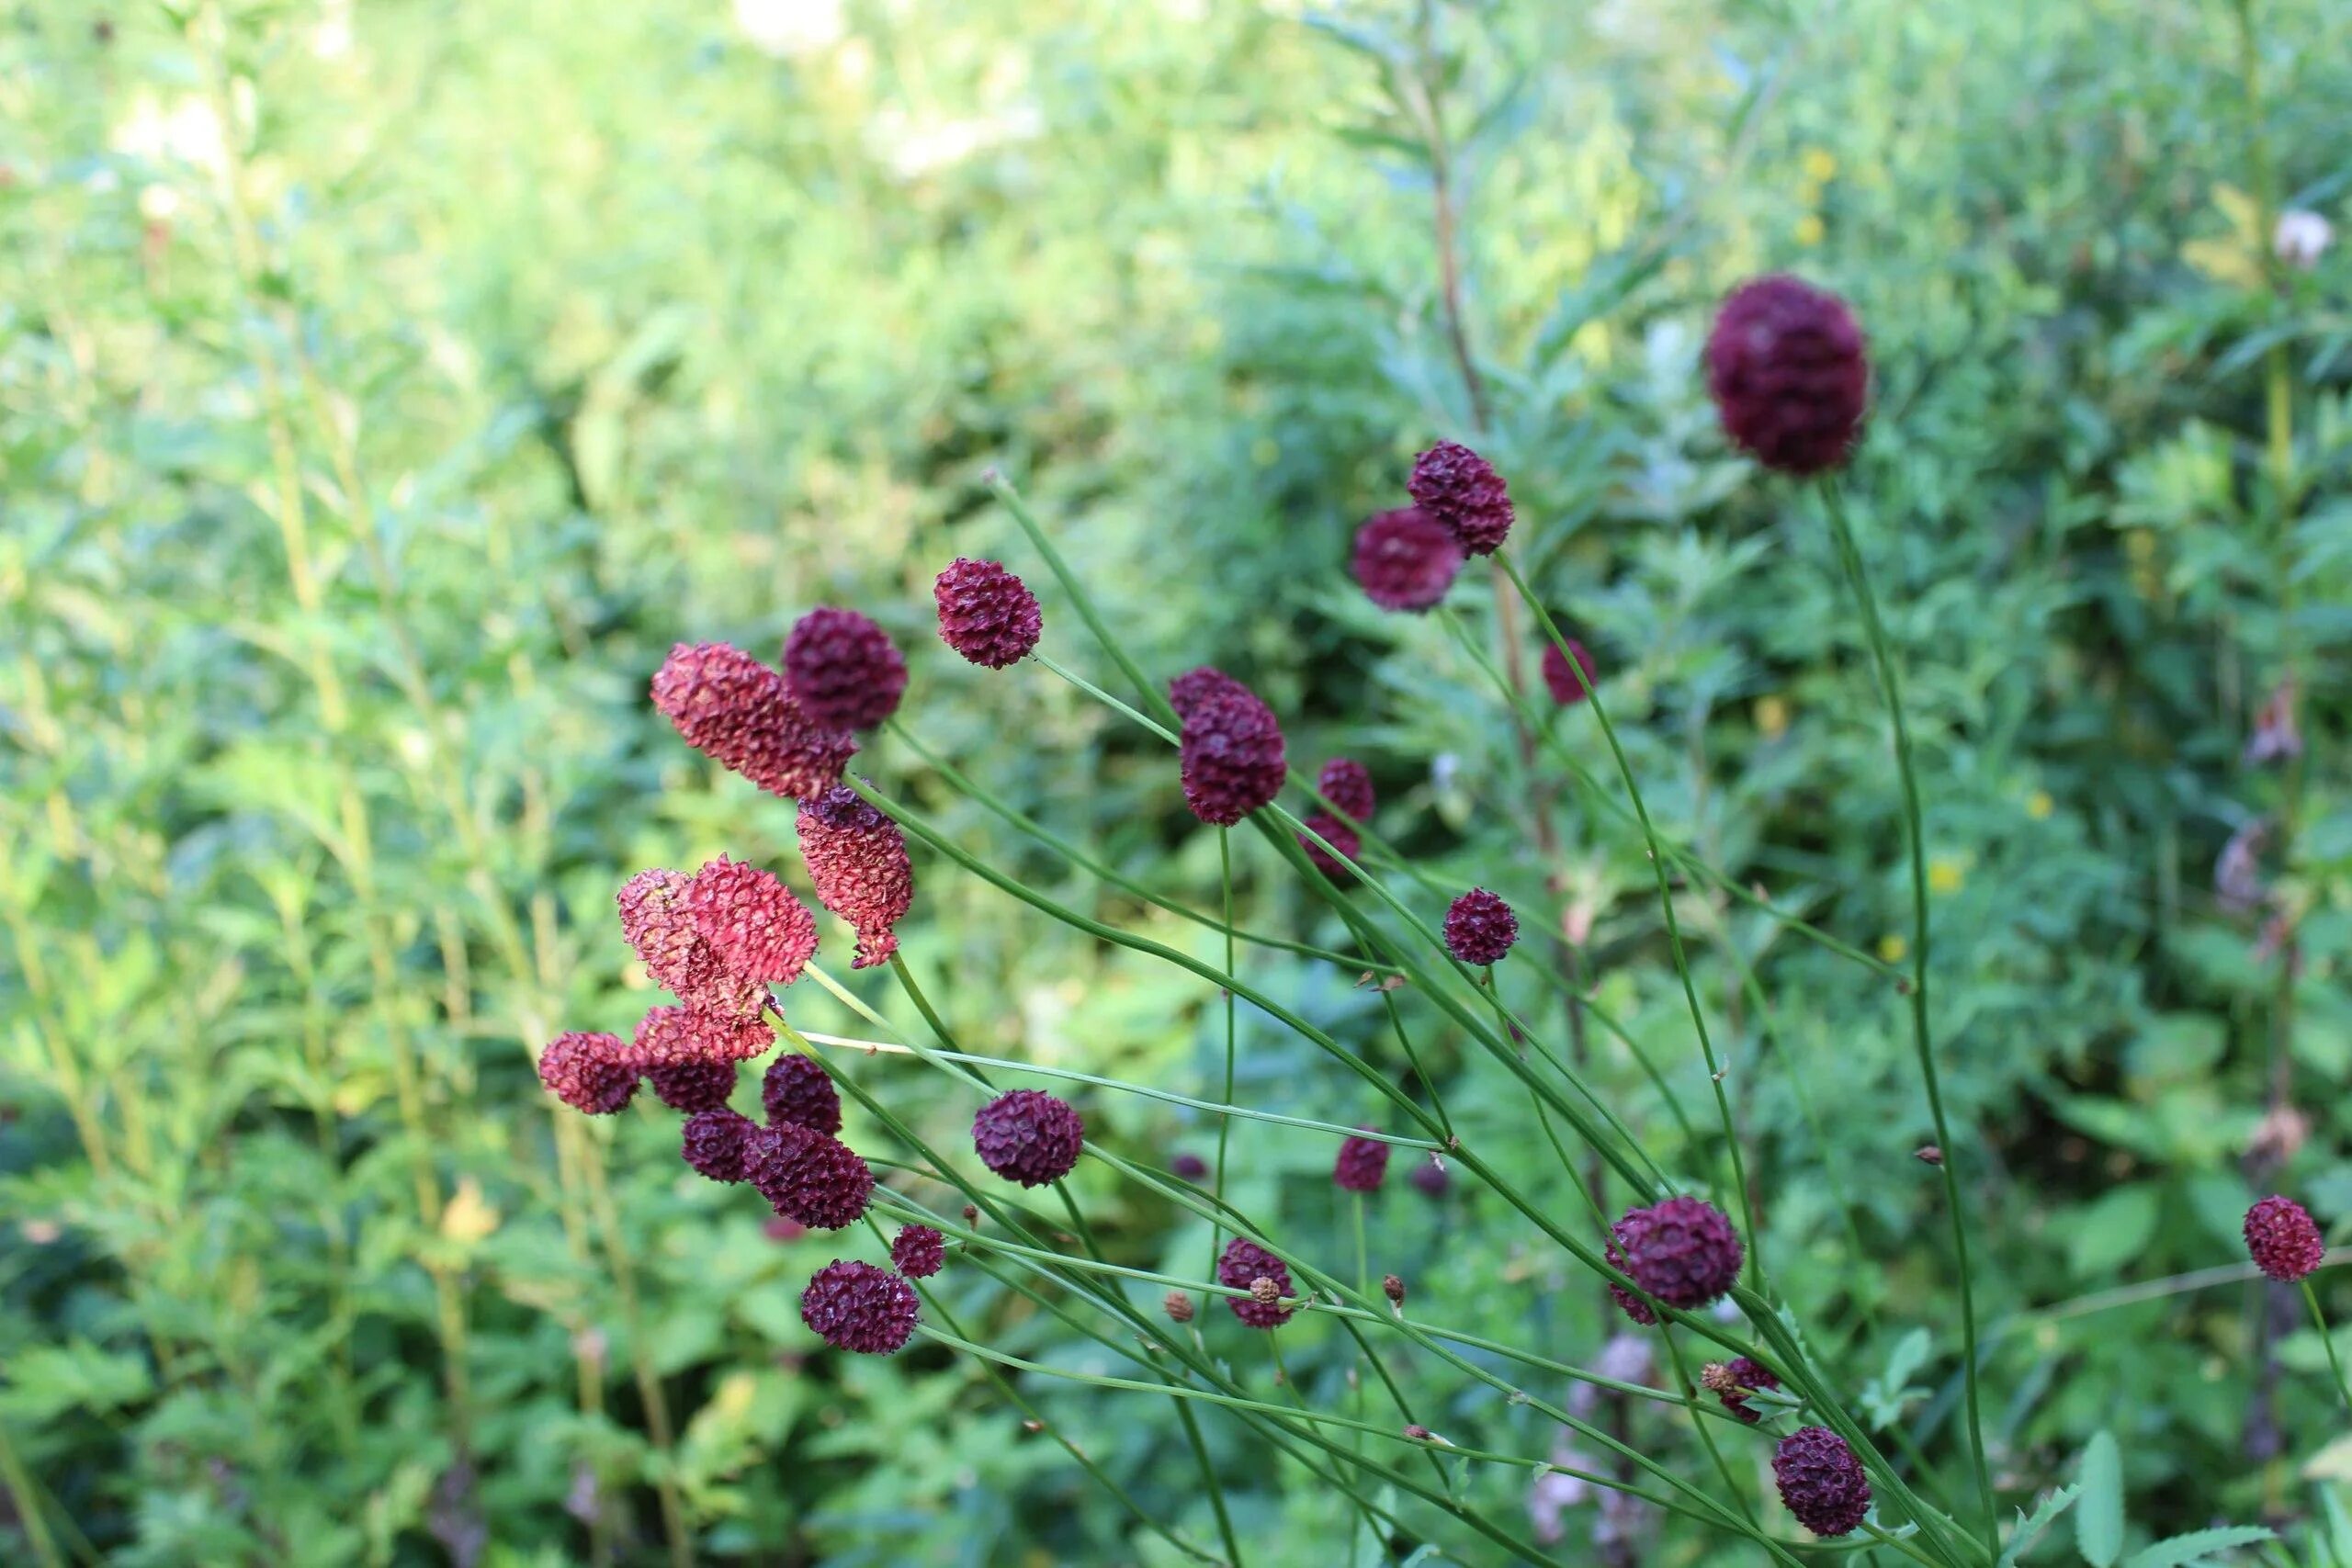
[[1243, 1263], [1462, 491], [1028, 1137], [986, 613], [917, 1251], [796, 1092], [657, 917], [1193, 687], [844, 670], [1683, 1251], [742, 714], [1821, 1481], [857, 859], [1566, 689], [591, 1073], [1231, 756], [717, 1144], [861, 1307], [1339, 836], [668, 1036], [760, 933], [1480, 927], [1405, 560], [1346, 784], [806, 1176], [2283, 1240], [1362, 1166], [1788, 369]]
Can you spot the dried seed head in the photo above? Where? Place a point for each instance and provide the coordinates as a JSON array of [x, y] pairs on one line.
[[1264, 1291], [857, 859], [843, 668], [591, 1073], [1788, 369], [742, 714], [986, 613], [1480, 927], [1821, 1481], [795, 1092], [1179, 1307], [1028, 1137], [1361, 1165], [1231, 756], [1461, 490], [1244, 1264], [918, 1251], [1394, 1289], [1405, 560], [857, 1306], [2282, 1239]]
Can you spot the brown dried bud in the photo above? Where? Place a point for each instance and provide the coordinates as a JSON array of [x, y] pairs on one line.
[[1717, 1378], [971, 1214], [1394, 1289], [1418, 1433], [1264, 1291], [1179, 1306], [1928, 1154]]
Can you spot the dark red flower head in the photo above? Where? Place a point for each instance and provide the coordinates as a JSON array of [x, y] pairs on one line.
[[1738, 1378], [1461, 490], [860, 1307], [1480, 927], [1788, 369], [759, 929], [1821, 1481], [657, 917], [1429, 1178], [1193, 687], [594, 1072], [918, 1251], [1683, 1251], [718, 1143], [742, 714], [1231, 756], [797, 1093], [857, 859], [1027, 1135], [843, 668], [1188, 1166], [1346, 784], [1405, 560], [986, 613], [1244, 1263], [2283, 1240], [1363, 1165], [689, 1056], [809, 1176], [1336, 833], [1565, 688]]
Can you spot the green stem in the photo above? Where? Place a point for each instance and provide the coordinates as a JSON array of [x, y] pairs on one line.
[[1224, 1123], [27, 1503], [2319, 1319]]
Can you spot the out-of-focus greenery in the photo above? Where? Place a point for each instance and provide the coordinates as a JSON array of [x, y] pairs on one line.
[[387, 383]]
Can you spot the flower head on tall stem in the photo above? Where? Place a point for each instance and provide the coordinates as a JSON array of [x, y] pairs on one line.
[[1028, 1137], [742, 714], [1560, 680], [1683, 1251], [1405, 560], [1788, 369], [809, 1176], [858, 861], [759, 930], [718, 1143], [1462, 491], [2283, 1240], [796, 1092], [594, 1072], [657, 917], [1480, 927], [1243, 1263], [859, 1306], [1231, 756], [1346, 784], [1821, 1481], [917, 1251], [986, 613], [1336, 833], [1361, 1165], [843, 668]]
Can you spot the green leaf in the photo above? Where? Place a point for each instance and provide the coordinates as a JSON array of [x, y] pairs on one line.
[[2196, 1546], [2112, 1231], [2031, 1526], [2098, 1523], [48, 1380]]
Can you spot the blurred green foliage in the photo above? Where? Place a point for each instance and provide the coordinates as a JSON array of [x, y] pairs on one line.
[[387, 383]]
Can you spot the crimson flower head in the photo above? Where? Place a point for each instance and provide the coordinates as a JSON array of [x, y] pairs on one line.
[[689, 1056], [1567, 690], [718, 1143], [1363, 1165], [1193, 687], [1336, 833], [857, 859], [1242, 1266], [759, 932], [917, 1251], [1346, 784], [1480, 927], [1682, 1251], [591, 1073], [1231, 755], [844, 670], [796, 1092], [1788, 369], [986, 613], [1027, 1135], [742, 714], [2283, 1240], [1462, 491], [809, 1176], [858, 1306], [1405, 560], [1821, 1481], [657, 917], [1429, 1178]]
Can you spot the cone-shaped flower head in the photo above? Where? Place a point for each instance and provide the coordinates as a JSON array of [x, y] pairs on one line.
[[718, 1143], [591, 1073], [843, 668], [1480, 927], [2283, 1241], [1363, 1165], [1567, 690], [759, 929], [857, 859], [1461, 490], [1821, 1481], [809, 1176], [742, 714], [918, 1251], [1683, 1251], [797, 1093], [858, 1306], [1027, 1135], [1405, 560], [1231, 754], [658, 918], [1788, 369], [986, 613], [1346, 784], [1242, 1266]]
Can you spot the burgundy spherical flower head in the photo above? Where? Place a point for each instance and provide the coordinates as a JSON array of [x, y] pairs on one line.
[[591, 1073], [1405, 560], [986, 613], [742, 714], [1462, 491], [1632, 1305], [1362, 1166], [857, 859], [1231, 756], [843, 668], [2283, 1240], [1429, 1178], [1683, 1251], [759, 932], [797, 1093], [1821, 1481], [1027, 1135], [1738, 1373], [1188, 1166], [1193, 687], [657, 917], [1346, 784], [1480, 927], [1788, 369], [693, 1086], [667, 1037], [918, 1251], [858, 1306], [1245, 1261], [1567, 690], [809, 1176], [1339, 836], [718, 1143]]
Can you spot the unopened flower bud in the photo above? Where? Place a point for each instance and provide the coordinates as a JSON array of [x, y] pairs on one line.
[[1264, 1291], [1179, 1306], [1928, 1154], [1394, 1289], [1420, 1434]]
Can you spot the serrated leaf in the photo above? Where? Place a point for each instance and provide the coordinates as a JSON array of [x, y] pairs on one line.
[[2098, 1521], [2180, 1551], [2030, 1526]]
